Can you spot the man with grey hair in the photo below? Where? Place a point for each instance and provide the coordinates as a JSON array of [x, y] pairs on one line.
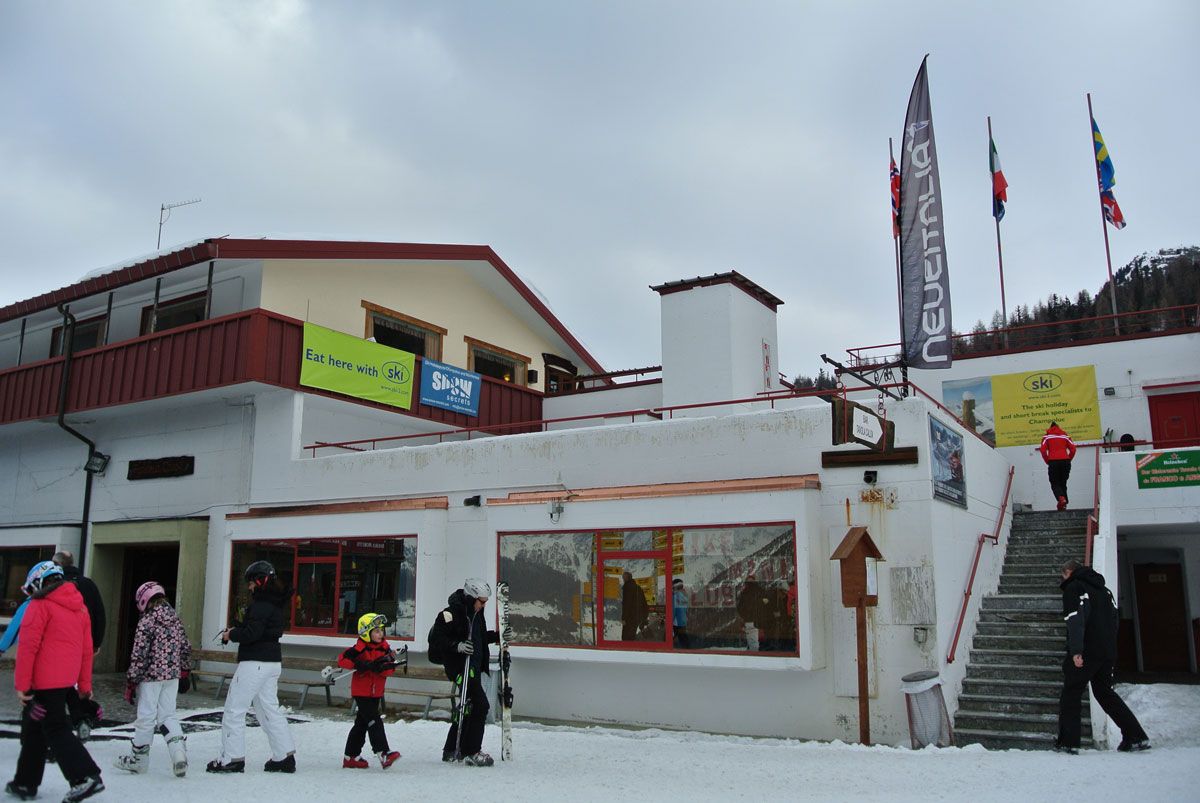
[[85, 714], [1091, 616]]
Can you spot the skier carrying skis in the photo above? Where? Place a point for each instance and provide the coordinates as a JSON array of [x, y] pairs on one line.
[[158, 665], [53, 656], [458, 641], [256, 680], [372, 661]]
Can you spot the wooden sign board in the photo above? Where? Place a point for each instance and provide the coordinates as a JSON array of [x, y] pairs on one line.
[[854, 423]]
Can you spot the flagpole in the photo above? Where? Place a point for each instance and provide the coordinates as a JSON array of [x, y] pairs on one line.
[[1112, 284], [899, 287], [999, 249]]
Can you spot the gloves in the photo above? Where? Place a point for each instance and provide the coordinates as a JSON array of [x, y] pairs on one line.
[[185, 681], [465, 647], [37, 712], [130, 692], [380, 664]]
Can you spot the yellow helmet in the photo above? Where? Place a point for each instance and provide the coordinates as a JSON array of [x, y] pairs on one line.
[[368, 622]]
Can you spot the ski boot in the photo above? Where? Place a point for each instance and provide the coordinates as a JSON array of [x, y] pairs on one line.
[[137, 762], [480, 759], [20, 792], [234, 765], [178, 750], [356, 763], [84, 789], [389, 758], [288, 764]]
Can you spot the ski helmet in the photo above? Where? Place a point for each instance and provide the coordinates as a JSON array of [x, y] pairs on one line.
[[474, 587], [260, 571], [368, 622], [146, 592], [38, 574]]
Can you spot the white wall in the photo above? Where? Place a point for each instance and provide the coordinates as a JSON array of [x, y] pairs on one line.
[[598, 402]]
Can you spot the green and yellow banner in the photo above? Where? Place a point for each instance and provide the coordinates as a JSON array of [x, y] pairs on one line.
[[355, 367], [1027, 402]]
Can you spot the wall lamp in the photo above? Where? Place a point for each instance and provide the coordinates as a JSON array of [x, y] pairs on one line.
[[556, 510], [473, 501], [870, 477]]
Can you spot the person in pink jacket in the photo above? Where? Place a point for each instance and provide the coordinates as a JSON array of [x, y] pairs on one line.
[[54, 656]]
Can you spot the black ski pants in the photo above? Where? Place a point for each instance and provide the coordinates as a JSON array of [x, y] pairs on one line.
[[473, 722], [51, 731], [367, 722], [1100, 675], [1058, 472]]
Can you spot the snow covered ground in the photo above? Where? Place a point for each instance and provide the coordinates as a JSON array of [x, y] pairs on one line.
[[568, 763]]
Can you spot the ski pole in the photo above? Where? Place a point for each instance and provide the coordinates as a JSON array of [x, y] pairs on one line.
[[462, 707]]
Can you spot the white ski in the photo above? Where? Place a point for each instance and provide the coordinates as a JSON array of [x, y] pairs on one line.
[[506, 694]]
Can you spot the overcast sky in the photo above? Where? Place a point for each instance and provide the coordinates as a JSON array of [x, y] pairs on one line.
[[602, 147]]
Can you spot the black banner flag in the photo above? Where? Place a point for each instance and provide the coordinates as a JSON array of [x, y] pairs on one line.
[[925, 278]]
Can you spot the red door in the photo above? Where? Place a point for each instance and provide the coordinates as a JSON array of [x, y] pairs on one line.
[[1175, 420]]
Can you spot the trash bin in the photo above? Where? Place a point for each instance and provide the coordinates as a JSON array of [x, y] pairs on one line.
[[928, 720]]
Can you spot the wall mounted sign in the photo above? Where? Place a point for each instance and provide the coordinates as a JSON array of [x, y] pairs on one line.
[[946, 457], [355, 367], [450, 388], [1015, 409], [1169, 469]]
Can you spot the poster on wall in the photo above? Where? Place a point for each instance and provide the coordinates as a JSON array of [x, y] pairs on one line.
[[355, 367], [946, 457], [450, 388], [1015, 409], [1168, 469]]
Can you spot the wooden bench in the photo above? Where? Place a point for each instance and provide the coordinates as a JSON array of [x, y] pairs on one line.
[[222, 676], [427, 683]]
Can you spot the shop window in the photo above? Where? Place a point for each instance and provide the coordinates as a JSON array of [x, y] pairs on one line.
[[336, 581], [88, 335], [15, 563], [617, 589], [498, 363], [404, 332], [174, 312]]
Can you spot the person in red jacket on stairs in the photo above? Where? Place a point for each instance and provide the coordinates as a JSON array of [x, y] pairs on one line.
[[1058, 450], [372, 661]]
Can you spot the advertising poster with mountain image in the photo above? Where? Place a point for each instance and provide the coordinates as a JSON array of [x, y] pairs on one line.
[[1015, 409], [946, 457]]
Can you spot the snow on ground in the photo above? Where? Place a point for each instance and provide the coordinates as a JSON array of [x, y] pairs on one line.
[[593, 763]]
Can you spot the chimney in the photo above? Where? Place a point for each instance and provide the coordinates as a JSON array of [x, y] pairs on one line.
[[719, 340]]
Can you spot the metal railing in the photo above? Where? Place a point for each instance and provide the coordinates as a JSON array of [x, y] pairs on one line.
[[994, 537]]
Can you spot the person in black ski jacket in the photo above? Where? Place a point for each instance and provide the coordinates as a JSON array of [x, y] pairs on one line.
[[256, 680], [85, 714], [459, 641], [1091, 617]]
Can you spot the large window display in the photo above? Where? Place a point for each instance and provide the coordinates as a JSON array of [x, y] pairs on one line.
[[728, 588], [336, 580]]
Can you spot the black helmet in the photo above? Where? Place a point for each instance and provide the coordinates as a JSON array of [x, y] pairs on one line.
[[259, 569]]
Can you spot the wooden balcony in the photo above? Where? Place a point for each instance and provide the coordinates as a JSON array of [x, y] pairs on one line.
[[251, 346]]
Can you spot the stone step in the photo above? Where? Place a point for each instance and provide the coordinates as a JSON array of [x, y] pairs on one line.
[[1022, 602], [1002, 687], [1011, 641], [1042, 548], [1050, 561], [1052, 628], [1046, 705], [1016, 657], [1007, 740], [1037, 617], [1015, 672], [1020, 723], [1022, 587], [1060, 517]]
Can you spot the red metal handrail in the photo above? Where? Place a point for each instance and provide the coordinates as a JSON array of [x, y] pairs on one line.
[[994, 538]]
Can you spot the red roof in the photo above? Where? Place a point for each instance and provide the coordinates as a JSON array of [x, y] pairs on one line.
[[223, 248], [739, 281]]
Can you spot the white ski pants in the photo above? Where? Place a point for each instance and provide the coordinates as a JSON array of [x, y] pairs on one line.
[[155, 706], [254, 683], [751, 636]]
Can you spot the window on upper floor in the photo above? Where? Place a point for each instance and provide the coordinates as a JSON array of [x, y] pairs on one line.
[[404, 332], [88, 335], [174, 312], [560, 375], [336, 580], [496, 362]]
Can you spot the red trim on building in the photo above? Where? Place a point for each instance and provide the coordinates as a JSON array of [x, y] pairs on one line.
[[294, 249], [739, 281]]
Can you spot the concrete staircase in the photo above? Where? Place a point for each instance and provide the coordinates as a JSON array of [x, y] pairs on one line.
[[1014, 675]]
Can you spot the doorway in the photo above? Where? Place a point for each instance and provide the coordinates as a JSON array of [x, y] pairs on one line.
[[142, 562], [1162, 617], [1175, 420]]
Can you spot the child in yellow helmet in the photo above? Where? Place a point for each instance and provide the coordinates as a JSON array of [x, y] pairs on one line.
[[372, 661]]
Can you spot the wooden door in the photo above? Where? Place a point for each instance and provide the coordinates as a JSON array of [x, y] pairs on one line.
[[1175, 420], [1162, 617]]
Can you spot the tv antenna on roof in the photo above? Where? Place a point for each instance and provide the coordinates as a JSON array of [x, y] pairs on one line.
[[164, 214]]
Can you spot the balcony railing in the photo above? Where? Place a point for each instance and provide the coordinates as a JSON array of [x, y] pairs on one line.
[[250, 346], [1050, 335]]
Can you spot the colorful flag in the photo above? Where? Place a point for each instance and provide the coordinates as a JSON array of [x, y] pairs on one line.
[[1106, 174], [924, 269], [999, 184], [895, 199]]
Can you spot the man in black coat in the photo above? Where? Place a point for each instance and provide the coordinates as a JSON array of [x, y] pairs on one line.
[[84, 713], [459, 641], [1091, 616]]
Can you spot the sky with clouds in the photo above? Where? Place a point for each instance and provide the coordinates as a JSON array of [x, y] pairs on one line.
[[601, 147]]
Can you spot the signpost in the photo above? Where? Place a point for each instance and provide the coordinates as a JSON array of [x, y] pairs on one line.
[[854, 423], [860, 588]]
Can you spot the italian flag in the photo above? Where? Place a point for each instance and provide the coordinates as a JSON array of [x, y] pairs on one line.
[[999, 183]]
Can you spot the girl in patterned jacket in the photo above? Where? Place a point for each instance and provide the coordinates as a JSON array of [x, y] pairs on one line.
[[158, 669]]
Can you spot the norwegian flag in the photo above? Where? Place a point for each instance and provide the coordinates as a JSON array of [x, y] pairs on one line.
[[895, 199]]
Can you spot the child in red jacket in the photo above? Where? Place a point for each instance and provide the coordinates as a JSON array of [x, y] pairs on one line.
[[372, 661]]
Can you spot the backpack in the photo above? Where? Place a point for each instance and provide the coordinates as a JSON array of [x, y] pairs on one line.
[[435, 655]]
